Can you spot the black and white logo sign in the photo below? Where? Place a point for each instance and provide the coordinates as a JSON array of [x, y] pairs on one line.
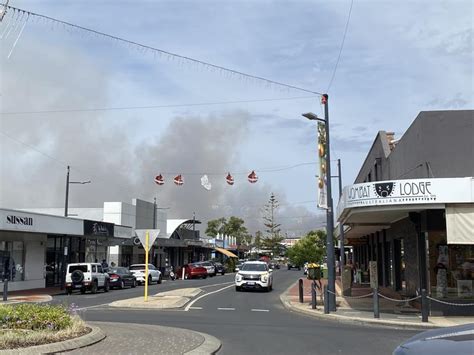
[[385, 189], [98, 228], [22, 221]]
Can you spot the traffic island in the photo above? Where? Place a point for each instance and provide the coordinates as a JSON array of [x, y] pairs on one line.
[[163, 300]]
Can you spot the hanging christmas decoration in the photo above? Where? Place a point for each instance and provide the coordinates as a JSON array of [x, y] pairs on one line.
[[229, 179], [178, 180], [159, 180], [205, 182], [253, 178]]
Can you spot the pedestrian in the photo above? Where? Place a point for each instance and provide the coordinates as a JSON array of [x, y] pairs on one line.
[[104, 264]]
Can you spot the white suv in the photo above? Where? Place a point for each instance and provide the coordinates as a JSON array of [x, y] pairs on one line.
[[86, 276], [254, 274], [154, 275]]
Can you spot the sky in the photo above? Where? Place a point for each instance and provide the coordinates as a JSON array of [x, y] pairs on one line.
[[396, 61]]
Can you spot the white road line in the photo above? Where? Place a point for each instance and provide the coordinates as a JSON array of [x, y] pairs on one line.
[[225, 309], [224, 283], [259, 310], [97, 305], [195, 307], [204, 295]]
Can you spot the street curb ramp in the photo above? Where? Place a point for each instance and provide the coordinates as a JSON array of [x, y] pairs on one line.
[[210, 346]]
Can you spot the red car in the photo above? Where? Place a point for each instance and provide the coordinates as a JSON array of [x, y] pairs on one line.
[[191, 271]]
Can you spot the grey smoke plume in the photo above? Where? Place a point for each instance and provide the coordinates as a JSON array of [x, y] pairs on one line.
[[108, 149]]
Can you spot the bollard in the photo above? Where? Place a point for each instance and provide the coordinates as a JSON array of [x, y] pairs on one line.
[[424, 306], [300, 289], [5, 290], [326, 300], [376, 303], [313, 296]]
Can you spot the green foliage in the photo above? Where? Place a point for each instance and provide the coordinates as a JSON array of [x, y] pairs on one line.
[[230, 264], [235, 227], [216, 226], [310, 248], [34, 317], [273, 228]]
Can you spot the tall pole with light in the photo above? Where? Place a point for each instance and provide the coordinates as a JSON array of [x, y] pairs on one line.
[[326, 180], [66, 203]]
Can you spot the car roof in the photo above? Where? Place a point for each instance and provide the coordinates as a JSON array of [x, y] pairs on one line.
[[255, 262]]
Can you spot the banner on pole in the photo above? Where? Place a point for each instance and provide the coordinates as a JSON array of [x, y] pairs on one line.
[[322, 157], [153, 234]]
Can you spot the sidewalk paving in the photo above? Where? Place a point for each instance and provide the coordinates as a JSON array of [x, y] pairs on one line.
[[360, 310]]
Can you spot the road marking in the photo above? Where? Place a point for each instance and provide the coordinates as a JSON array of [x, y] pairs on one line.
[[195, 307], [259, 310], [204, 295], [224, 283], [89, 307], [225, 309]]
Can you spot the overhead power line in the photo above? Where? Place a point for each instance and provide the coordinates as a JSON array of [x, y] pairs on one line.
[[98, 109], [164, 52], [342, 46]]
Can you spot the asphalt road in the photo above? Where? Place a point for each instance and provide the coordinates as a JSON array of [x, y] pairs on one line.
[[246, 322]]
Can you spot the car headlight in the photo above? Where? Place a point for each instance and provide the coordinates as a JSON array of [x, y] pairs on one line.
[[264, 277], [238, 277]]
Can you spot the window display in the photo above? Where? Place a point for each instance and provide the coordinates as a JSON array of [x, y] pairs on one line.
[[12, 260]]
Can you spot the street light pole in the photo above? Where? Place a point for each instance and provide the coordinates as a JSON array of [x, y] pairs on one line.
[[66, 202], [329, 216], [67, 193]]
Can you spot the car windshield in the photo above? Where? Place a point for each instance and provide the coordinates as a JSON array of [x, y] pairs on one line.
[[82, 268], [254, 267], [137, 267]]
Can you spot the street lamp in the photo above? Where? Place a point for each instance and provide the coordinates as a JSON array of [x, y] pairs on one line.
[[67, 189], [329, 211]]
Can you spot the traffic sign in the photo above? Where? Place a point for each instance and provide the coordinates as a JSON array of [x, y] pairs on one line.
[[141, 234]]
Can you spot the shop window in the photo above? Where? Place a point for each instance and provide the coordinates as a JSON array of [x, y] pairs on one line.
[[12, 257]]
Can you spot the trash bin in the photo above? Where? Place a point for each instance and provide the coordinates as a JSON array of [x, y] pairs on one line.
[[314, 271]]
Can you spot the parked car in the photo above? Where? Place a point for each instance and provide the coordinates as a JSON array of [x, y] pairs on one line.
[[154, 275], [292, 265], [121, 277], [211, 270], [274, 265], [192, 271], [450, 340], [86, 276], [220, 269], [254, 274]]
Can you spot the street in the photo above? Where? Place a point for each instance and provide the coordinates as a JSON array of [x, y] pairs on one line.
[[245, 322]]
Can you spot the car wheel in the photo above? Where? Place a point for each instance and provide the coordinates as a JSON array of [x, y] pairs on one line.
[[204, 277], [289, 268], [68, 291], [238, 288], [122, 285], [299, 269], [106, 286], [160, 280], [222, 273], [186, 276], [83, 290], [270, 287], [94, 287], [149, 280], [134, 283]]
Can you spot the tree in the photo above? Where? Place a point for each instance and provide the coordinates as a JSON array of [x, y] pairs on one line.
[[235, 228], [273, 238], [311, 248], [216, 226]]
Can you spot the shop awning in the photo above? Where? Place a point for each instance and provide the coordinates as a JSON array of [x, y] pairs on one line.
[[226, 252], [460, 223]]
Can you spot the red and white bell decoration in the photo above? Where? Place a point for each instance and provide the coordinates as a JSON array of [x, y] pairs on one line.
[[229, 179], [159, 180], [178, 180], [252, 177]]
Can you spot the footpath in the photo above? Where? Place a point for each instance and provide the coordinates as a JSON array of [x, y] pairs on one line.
[[358, 309]]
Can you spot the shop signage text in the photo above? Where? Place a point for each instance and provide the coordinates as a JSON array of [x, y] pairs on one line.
[[23, 221]]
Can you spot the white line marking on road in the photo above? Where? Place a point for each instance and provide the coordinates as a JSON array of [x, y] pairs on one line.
[[195, 307], [204, 295], [225, 309], [89, 307], [259, 310], [224, 283]]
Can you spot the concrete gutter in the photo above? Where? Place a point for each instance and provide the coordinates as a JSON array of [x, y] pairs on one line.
[[210, 346], [94, 336]]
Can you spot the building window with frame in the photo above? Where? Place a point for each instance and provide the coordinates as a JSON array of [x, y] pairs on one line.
[[12, 257]]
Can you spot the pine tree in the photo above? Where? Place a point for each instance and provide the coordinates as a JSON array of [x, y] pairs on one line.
[[273, 238]]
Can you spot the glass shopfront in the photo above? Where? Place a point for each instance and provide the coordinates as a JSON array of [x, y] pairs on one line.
[[12, 258], [451, 268]]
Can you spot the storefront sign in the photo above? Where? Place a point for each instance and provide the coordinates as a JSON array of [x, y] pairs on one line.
[[96, 228], [24, 221], [407, 192]]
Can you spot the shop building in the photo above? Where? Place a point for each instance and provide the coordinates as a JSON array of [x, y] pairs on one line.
[[35, 247], [411, 210]]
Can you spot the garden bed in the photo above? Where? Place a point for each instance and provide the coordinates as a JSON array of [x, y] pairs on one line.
[[25, 325]]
